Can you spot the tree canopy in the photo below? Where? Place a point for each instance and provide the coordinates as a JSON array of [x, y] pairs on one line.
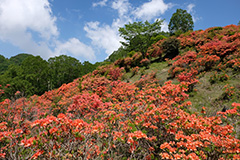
[[181, 21], [139, 35], [33, 75]]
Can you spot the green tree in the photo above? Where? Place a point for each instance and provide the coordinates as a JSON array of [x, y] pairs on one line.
[[15, 60], [88, 67], [120, 53], [18, 59], [239, 23], [63, 69], [138, 35], [36, 72], [180, 22], [15, 77], [4, 62]]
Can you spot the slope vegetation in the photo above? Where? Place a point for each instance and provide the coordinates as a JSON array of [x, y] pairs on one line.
[[137, 108]]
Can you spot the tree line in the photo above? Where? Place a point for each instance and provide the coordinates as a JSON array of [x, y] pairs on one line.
[[33, 75]]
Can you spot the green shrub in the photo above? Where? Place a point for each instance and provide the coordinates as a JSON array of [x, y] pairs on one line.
[[218, 78], [170, 47]]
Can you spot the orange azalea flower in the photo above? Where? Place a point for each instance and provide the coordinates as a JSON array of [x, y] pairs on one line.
[[139, 134], [37, 154], [3, 126], [18, 131], [130, 140], [53, 130], [28, 142], [165, 155], [2, 155]]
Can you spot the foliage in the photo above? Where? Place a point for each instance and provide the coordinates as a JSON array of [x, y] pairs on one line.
[[170, 47], [63, 69], [180, 22], [145, 62], [120, 53], [3, 64], [218, 77], [139, 36], [32, 75], [15, 60], [35, 71], [18, 59]]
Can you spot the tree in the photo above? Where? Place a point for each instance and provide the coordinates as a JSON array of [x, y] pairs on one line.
[[138, 35], [35, 71], [239, 23], [4, 62], [181, 21], [120, 53], [18, 59], [63, 69]]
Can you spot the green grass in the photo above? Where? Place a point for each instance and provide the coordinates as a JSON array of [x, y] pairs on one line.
[[211, 95], [161, 69], [205, 94]]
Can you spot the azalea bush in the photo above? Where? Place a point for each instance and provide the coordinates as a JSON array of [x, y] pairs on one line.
[[98, 116], [120, 122]]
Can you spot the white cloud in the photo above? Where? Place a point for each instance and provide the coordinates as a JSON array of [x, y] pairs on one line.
[[75, 47], [31, 26], [190, 7], [122, 6], [100, 3], [151, 9], [105, 36], [192, 12], [27, 14], [19, 19], [164, 26]]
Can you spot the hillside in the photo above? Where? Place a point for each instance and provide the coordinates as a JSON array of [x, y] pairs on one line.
[[137, 107]]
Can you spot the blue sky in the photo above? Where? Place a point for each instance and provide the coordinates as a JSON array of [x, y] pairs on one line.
[[88, 29]]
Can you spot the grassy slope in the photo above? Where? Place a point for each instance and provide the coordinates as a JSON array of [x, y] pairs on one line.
[[205, 94]]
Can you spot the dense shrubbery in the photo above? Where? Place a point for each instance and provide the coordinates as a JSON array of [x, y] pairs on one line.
[[100, 117]]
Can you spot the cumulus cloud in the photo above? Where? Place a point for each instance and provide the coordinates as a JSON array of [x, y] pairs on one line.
[[151, 9], [20, 16], [190, 7], [192, 12], [31, 26], [75, 47], [107, 36], [100, 3], [103, 36], [122, 6]]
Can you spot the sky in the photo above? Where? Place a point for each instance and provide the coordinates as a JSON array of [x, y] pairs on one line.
[[88, 29]]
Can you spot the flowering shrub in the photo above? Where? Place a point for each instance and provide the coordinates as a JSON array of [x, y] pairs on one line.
[[145, 62], [218, 77], [100, 117], [155, 50]]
